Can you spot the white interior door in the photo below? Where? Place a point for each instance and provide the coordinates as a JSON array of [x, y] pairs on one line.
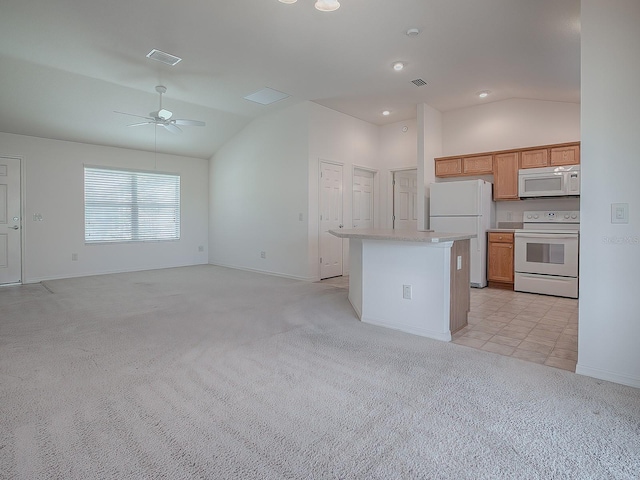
[[330, 219], [10, 224], [362, 198], [405, 200]]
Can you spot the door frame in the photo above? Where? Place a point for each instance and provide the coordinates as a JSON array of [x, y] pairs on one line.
[[23, 222], [376, 189], [390, 191], [340, 164]]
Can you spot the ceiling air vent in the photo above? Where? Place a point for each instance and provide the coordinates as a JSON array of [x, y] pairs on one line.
[[163, 57], [418, 82]]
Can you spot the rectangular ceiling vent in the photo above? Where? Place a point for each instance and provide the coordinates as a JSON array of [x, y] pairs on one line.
[[418, 82], [163, 57]]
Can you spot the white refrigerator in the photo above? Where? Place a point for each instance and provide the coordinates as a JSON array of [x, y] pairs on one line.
[[465, 207]]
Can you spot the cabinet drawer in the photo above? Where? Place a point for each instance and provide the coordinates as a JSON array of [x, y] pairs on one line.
[[500, 237], [482, 165]]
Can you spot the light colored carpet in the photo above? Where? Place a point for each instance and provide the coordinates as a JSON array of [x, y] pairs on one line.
[[205, 372]]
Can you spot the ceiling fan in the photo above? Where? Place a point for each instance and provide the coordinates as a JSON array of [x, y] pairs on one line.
[[162, 117]]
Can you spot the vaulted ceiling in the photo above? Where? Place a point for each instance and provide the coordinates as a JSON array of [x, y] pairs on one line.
[[66, 65]]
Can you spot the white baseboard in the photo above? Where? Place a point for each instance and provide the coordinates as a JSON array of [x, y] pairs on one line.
[[423, 332], [266, 272], [107, 272], [608, 376]]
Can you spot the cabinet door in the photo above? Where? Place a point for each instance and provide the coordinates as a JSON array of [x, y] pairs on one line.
[[505, 176], [449, 167], [534, 158], [478, 165], [565, 155], [500, 262]]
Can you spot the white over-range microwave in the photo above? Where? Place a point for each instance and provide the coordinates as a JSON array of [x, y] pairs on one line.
[[549, 181]]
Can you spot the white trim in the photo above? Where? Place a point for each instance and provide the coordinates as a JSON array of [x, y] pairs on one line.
[[376, 192], [423, 332], [23, 220], [319, 187], [110, 272], [607, 375], [266, 272], [390, 191]]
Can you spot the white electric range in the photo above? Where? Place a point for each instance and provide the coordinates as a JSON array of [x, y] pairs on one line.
[[546, 253]]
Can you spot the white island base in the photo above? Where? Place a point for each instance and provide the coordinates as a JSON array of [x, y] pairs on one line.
[[434, 266]]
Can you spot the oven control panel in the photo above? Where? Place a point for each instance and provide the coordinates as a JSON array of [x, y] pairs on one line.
[[557, 216]]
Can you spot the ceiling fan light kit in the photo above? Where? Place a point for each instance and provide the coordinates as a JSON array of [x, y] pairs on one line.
[[162, 117]]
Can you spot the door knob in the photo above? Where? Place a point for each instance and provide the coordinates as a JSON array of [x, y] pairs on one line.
[[15, 227]]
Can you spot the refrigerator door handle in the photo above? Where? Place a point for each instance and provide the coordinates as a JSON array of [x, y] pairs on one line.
[[478, 230]]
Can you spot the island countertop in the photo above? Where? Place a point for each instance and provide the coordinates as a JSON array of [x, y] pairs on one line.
[[401, 235]]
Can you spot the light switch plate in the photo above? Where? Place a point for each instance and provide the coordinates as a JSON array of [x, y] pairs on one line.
[[619, 213]]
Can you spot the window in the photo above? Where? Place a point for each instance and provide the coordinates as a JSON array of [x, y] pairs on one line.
[[130, 206]]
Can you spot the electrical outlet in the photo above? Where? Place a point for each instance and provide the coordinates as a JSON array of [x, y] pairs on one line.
[[263, 254], [200, 248], [300, 217], [74, 257], [459, 262], [406, 292]]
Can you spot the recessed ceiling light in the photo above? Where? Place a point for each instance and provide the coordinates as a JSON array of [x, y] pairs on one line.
[[397, 66], [484, 94], [412, 32], [327, 5], [386, 113], [288, 1]]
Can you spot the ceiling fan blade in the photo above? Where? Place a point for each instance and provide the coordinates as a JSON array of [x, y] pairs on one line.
[[133, 115], [141, 123], [194, 123], [171, 127]]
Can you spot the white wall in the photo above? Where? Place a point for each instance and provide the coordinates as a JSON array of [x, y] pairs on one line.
[[515, 123], [609, 325], [53, 181], [258, 190], [397, 151], [339, 138], [429, 147]]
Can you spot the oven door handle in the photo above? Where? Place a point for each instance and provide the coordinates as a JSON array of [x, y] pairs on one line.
[[550, 236]]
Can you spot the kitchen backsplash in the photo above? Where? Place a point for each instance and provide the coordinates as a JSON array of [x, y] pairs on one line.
[[512, 212]]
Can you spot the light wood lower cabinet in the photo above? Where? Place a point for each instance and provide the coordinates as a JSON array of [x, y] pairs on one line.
[[500, 260]]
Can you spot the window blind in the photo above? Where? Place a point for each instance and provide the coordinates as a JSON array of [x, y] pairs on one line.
[[130, 206]]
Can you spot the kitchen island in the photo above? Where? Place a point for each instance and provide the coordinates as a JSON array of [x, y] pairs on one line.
[[416, 282]]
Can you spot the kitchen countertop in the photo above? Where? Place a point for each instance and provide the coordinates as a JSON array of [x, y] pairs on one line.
[[502, 230], [401, 235]]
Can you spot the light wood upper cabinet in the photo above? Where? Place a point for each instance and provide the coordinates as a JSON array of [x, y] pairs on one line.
[[504, 165], [448, 167], [461, 166], [534, 158], [482, 165], [505, 176], [569, 155]]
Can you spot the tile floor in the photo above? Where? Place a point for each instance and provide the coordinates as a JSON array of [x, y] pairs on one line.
[[536, 328]]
